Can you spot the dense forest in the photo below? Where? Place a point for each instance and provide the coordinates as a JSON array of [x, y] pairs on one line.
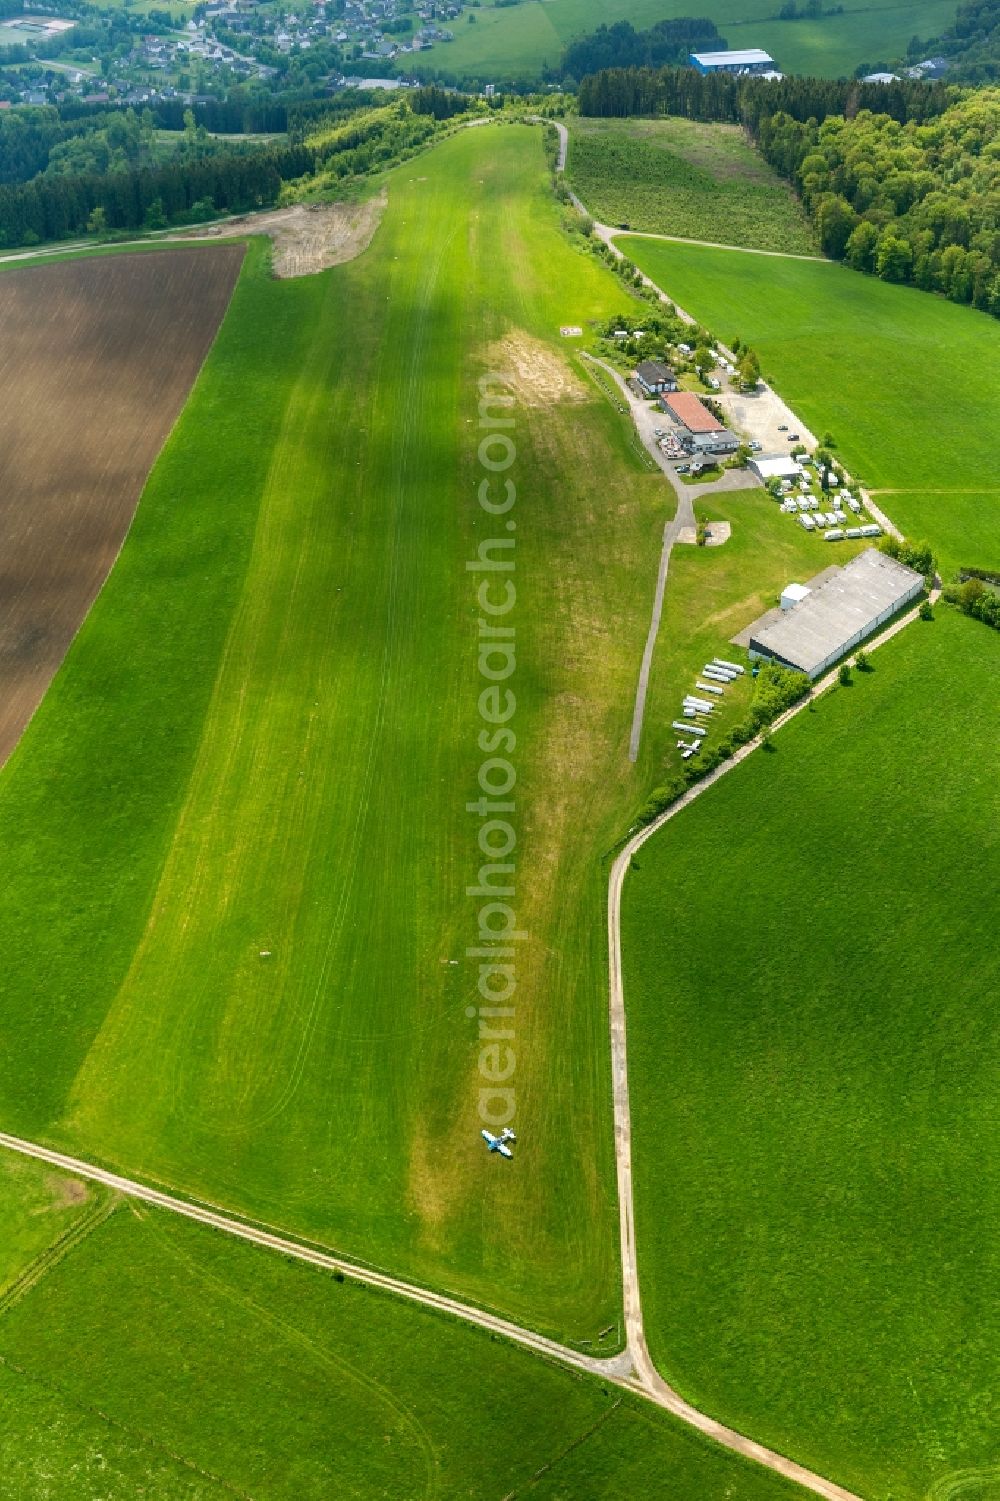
[[621, 46], [108, 174], [911, 202], [33, 138], [902, 180], [619, 92], [59, 206]]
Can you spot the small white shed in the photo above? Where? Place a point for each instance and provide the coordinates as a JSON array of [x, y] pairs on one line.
[[793, 594]]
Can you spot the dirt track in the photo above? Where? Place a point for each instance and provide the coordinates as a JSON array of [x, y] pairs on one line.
[[633, 1370], [96, 360]]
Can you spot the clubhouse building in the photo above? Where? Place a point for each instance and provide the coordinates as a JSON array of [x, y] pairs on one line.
[[700, 430]]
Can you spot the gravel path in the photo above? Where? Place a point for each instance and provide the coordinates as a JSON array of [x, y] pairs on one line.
[[633, 1370], [648, 1376], [784, 255], [684, 520]]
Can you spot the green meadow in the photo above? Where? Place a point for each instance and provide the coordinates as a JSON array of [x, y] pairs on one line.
[[515, 41], [159, 1359], [237, 833], [37, 1209], [902, 379], [965, 524], [810, 968], [682, 177]]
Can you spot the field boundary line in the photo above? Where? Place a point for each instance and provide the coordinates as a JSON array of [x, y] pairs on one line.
[[80, 1404], [622, 1370]]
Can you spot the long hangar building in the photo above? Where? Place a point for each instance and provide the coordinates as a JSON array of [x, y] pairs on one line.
[[821, 623], [748, 60]]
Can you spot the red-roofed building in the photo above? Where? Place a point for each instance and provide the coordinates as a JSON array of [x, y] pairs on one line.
[[694, 414], [701, 431]]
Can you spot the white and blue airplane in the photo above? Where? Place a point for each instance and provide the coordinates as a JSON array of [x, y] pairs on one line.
[[499, 1143]]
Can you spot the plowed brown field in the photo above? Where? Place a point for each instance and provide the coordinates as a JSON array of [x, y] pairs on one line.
[[96, 360]]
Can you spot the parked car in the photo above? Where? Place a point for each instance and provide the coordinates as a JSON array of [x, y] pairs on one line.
[[683, 468], [782, 427], [793, 437], [755, 447]]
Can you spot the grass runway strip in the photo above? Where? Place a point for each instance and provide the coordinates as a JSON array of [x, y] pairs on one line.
[[264, 741]]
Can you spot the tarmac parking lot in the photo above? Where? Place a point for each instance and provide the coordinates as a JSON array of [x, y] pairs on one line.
[[760, 414]]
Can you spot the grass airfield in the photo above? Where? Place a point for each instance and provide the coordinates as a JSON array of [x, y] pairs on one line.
[[239, 852], [275, 755]]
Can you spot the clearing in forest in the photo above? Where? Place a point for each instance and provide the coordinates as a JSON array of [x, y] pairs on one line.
[[682, 177]]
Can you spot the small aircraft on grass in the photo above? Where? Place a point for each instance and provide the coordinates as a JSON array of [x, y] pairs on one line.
[[499, 1143]]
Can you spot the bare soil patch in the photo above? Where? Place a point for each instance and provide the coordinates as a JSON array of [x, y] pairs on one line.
[[66, 1192], [309, 237], [539, 376], [96, 360]]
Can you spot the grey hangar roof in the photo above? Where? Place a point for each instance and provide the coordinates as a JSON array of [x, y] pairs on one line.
[[838, 614]]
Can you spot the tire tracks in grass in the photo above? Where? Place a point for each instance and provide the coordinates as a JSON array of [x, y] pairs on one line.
[[323, 1356], [574, 1444], [116, 1425], [57, 1251], [409, 421], [633, 1372]]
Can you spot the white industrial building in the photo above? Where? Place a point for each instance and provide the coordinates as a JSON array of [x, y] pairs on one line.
[[776, 466], [843, 607], [745, 60]]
